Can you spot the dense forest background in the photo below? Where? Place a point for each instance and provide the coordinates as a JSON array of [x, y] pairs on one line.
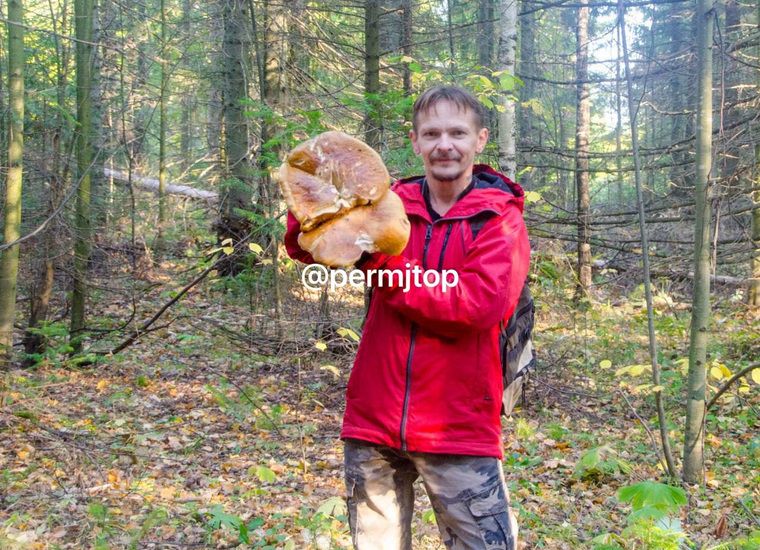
[[168, 381]]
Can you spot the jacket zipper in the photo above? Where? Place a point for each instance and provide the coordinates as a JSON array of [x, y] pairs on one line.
[[443, 248], [407, 391]]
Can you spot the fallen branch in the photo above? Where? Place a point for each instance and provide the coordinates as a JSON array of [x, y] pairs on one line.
[[722, 279], [151, 184], [140, 331]]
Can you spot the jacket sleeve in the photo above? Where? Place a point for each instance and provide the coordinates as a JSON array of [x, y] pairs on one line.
[[291, 241], [489, 285]]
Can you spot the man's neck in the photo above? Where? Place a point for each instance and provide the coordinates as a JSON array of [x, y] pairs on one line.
[[444, 194]]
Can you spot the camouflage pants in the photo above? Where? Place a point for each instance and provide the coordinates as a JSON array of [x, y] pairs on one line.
[[468, 495]]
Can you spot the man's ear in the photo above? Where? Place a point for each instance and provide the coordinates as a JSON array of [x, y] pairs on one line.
[[415, 145], [482, 140]]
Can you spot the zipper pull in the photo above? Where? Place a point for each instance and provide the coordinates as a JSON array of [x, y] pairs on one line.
[[428, 235]]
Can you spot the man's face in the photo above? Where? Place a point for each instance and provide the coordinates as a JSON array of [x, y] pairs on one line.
[[448, 139]]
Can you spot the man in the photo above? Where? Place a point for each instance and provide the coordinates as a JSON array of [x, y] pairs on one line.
[[424, 395]]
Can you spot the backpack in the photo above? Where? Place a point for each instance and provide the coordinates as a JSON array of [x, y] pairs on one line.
[[515, 341]]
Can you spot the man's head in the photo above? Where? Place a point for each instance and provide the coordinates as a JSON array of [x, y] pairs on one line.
[[448, 131], [461, 97]]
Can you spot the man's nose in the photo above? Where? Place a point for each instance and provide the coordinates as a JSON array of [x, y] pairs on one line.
[[444, 143]]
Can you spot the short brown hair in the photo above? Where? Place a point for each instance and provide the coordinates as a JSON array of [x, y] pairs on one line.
[[461, 97]]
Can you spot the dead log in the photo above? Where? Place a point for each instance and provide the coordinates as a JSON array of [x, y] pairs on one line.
[[151, 184], [722, 279]]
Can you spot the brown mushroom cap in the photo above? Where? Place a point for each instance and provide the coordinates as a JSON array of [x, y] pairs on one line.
[[378, 227], [330, 174]]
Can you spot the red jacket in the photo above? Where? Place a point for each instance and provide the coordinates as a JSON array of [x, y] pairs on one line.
[[427, 376]]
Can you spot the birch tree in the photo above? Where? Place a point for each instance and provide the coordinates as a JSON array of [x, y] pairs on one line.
[[583, 123], [506, 62]]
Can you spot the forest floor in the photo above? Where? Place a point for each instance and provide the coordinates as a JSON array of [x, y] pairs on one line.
[[193, 438]]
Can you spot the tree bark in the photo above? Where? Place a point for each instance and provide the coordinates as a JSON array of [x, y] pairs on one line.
[[754, 293], [506, 62], [83, 20], [237, 192], [162, 214], [700, 319], [619, 127], [14, 178], [583, 124], [187, 102], [527, 93], [372, 123], [407, 22], [274, 84]]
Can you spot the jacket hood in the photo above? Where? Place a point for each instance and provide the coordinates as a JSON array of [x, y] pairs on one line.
[[492, 191]]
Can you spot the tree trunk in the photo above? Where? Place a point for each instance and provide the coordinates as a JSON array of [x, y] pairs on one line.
[[274, 83], [162, 215], [407, 23], [450, 25], [237, 192], [700, 317], [619, 127], [527, 93], [373, 130], [12, 227], [187, 101], [754, 292], [83, 19], [582, 152], [506, 62]]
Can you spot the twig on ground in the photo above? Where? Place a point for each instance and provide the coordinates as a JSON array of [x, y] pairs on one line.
[[651, 435], [753, 516]]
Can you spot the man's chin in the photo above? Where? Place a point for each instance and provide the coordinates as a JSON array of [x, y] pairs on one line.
[[447, 176]]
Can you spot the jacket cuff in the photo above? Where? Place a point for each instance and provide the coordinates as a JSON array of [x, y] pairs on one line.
[[373, 261]]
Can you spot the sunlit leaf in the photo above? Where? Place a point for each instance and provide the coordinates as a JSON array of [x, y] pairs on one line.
[[334, 506], [255, 248], [321, 346], [331, 368], [716, 373], [532, 196], [263, 473], [605, 363], [347, 332], [756, 376]]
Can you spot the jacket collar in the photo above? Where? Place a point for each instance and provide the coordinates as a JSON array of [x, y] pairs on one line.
[[491, 191]]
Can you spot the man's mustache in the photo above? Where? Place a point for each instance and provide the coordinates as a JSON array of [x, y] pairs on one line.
[[445, 157]]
